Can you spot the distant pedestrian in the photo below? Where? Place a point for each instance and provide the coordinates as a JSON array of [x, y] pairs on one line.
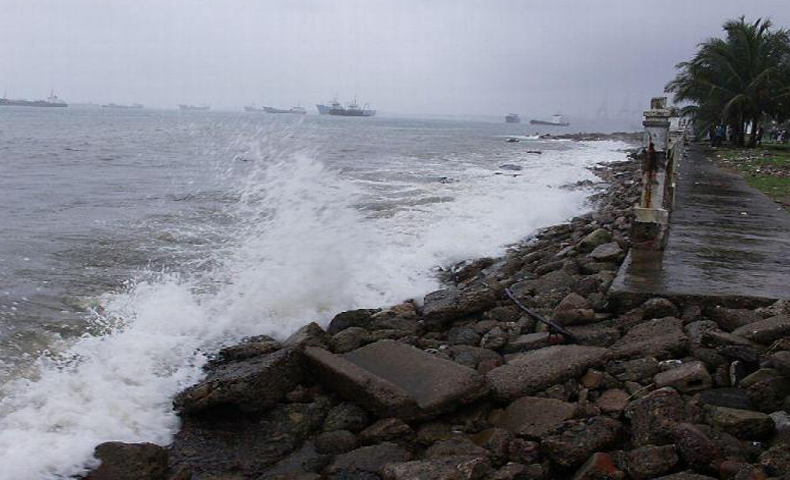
[[759, 136]]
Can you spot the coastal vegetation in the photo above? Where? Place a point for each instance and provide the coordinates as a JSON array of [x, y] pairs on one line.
[[741, 81]]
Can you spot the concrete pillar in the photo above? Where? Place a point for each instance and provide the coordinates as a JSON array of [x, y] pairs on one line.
[[651, 222]]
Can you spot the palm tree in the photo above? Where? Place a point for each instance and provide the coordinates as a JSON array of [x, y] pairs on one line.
[[737, 80]]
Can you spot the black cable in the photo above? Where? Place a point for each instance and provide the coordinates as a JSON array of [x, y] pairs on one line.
[[555, 328]]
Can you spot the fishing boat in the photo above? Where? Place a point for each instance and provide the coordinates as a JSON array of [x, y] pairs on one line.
[[512, 118], [557, 120], [51, 101]]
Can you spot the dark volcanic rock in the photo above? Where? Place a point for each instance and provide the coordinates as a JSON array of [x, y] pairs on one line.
[[300, 464], [370, 459], [766, 331], [535, 416], [346, 416], [394, 379], [660, 338], [726, 397], [336, 441], [351, 318], [743, 424], [766, 389], [252, 384], [594, 239], [650, 461], [696, 448], [386, 430], [687, 378], [129, 461], [249, 347], [658, 308], [311, 334], [608, 252], [447, 468], [534, 371], [575, 440], [730, 319], [233, 442], [655, 416]]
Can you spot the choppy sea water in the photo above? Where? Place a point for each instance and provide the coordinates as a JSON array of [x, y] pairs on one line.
[[132, 242]]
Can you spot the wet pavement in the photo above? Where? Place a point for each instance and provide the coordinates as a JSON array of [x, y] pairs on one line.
[[728, 243]]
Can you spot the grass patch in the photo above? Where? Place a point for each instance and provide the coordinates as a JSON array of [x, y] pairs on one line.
[[772, 186], [766, 168]]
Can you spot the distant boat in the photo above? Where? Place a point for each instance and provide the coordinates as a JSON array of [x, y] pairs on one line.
[[350, 110], [556, 121], [324, 109], [51, 101], [512, 118], [194, 107], [298, 110], [115, 105]]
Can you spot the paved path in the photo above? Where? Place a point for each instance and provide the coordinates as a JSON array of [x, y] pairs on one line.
[[728, 242]]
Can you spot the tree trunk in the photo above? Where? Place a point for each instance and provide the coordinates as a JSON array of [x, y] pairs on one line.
[[753, 137]]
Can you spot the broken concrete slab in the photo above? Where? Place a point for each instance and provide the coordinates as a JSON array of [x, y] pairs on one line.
[[252, 384], [688, 378], [392, 379], [537, 370], [535, 416]]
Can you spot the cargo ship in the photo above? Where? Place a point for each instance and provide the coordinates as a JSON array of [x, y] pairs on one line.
[[350, 110], [323, 109], [51, 101], [556, 121], [512, 118], [194, 107], [298, 110]]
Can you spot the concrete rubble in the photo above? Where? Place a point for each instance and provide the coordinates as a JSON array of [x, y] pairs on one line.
[[466, 385]]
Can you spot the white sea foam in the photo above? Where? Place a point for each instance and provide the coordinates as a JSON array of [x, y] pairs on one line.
[[301, 252]]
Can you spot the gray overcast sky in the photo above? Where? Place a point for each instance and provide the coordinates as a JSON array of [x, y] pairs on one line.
[[405, 56]]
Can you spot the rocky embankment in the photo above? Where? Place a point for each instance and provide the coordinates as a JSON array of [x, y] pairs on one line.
[[469, 386]]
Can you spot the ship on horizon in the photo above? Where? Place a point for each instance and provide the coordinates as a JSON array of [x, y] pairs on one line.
[[298, 109], [119, 106], [351, 110], [193, 107], [512, 118], [557, 120], [51, 101]]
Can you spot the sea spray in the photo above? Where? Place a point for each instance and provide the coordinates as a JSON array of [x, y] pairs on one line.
[[301, 250]]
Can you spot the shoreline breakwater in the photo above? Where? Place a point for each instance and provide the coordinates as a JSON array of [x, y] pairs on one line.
[[467, 385]]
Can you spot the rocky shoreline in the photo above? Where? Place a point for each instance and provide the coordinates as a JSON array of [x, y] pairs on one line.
[[468, 385]]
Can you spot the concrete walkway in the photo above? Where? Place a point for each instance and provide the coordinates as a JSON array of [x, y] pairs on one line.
[[728, 243]]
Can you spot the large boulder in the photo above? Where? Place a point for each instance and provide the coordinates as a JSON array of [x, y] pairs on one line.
[[397, 380], [464, 467], [351, 318], [252, 384], [370, 459], [650, 461], [537, 370], [766, 331], [575, 440], [129, 461], [655, 416], [660, 338], [535, 416]]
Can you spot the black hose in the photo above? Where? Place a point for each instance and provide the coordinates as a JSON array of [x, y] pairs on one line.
[[553, 327]]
